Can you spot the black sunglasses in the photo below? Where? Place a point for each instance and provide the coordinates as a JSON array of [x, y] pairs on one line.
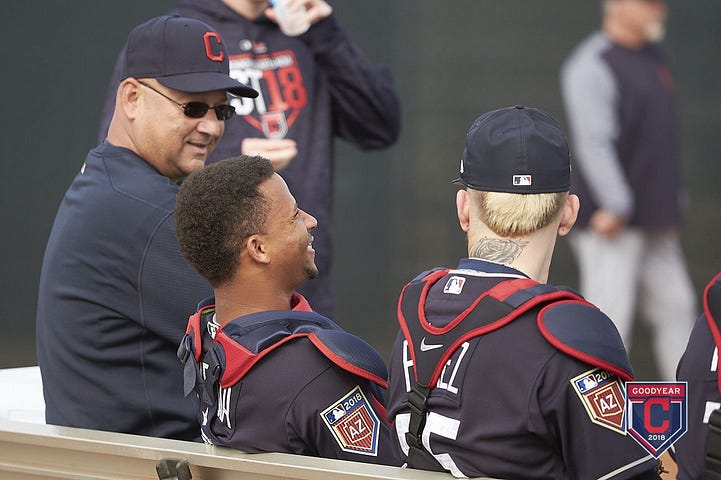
[[198, 109]]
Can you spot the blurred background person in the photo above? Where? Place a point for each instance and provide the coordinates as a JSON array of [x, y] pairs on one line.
[[619, 97]]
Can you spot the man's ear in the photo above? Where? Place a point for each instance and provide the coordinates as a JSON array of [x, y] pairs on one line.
[[462, 203], [256, 249], [569, 214], [128, 97]]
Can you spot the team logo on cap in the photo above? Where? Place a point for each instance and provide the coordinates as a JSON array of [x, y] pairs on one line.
[[602, 396], [213, 50], [522, 180], [354, 424], [657, 414]]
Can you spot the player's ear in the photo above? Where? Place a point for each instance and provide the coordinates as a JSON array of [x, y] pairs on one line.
[[257, 249], [462, 209], [569, 214]]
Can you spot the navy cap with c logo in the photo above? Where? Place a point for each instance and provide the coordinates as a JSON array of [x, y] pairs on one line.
[[181, 53]]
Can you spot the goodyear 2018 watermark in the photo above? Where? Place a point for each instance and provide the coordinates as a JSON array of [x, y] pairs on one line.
[[656, 414]]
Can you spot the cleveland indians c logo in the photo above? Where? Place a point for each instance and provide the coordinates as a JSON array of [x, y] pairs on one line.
[[219, 57]]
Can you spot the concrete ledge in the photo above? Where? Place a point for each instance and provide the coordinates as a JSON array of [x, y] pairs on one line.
[[32, 451]]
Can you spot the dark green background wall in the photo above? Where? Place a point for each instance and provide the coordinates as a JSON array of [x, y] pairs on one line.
[[394, 209]]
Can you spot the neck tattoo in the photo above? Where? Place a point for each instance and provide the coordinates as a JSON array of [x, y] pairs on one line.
[[498, 250]]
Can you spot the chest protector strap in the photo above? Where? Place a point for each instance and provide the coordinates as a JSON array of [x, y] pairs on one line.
[[490, 311], [430, 347], [201, 376], [239, 346]]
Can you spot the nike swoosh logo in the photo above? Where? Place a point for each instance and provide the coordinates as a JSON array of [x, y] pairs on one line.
[[432, 346]]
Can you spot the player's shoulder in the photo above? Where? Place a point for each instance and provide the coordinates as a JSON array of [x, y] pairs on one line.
[[584, 332]]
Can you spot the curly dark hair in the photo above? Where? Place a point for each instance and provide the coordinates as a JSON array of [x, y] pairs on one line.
[[217, 208]]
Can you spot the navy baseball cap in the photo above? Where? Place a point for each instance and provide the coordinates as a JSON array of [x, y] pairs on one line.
[[516, 150], [181, 53]]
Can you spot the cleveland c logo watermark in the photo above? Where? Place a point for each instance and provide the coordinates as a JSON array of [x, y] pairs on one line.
[[656, 414]]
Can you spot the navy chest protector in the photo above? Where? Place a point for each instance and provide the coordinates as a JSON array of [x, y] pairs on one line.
[[238, 346], [565, 320]]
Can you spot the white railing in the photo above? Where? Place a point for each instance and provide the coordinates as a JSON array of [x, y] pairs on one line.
[[34, 451]]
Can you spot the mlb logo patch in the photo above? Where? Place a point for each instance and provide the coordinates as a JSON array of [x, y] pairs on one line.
[[656, 414], [454, 285], [522, 180], [602, 396], [354, 424]]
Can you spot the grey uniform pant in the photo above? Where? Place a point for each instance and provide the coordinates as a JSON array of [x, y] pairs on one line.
[[643, 269]]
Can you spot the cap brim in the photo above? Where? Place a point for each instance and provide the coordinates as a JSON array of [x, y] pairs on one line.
[[206, 82], [459, 181]]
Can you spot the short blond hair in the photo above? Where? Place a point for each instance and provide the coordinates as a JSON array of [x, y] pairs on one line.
[[515, 214]]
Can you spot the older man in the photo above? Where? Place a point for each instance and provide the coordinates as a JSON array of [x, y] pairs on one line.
[[115, 293]]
